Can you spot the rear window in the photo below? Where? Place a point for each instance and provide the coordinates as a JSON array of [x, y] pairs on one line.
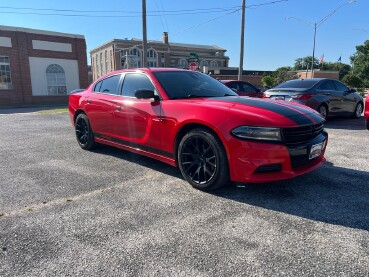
[[304, 83]]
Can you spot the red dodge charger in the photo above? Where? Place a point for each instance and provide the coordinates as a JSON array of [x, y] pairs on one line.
[[190, 120]]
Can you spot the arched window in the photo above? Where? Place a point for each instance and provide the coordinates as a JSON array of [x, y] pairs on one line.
[[134, 59], [151, 58], [56, 82], [204, 63], [213, 64], [182, 63]]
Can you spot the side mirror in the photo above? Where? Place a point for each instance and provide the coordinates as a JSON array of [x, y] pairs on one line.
[[146, 94]]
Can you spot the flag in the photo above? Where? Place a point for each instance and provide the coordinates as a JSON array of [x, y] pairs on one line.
[[321, 59], [339, 59]]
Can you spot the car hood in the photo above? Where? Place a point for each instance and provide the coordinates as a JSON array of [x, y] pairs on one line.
[[265, 112]]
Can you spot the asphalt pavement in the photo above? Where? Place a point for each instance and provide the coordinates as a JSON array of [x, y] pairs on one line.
[[69, 212]]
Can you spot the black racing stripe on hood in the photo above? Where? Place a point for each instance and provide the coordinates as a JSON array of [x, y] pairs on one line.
[[316, 118], [296, 116]]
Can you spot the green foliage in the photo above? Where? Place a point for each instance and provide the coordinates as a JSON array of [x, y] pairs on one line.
[[268, 81], [342, 68], [284, 74], [360, 62], [305, 63], [354, 81]]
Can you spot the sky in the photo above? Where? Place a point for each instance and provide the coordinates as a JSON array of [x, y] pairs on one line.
[[276, 31]]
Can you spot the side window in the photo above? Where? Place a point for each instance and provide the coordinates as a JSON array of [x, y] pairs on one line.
[[327, 85], [109, 85], [98, 86], [133, 82], [234, 86], [247, 87], [340, 86]]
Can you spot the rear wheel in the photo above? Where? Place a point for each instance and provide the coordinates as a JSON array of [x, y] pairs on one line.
[[202, 160], [323, 110], [84, 134], [358, 110]]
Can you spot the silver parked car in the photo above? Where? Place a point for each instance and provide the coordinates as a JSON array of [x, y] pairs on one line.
[[327, 96]]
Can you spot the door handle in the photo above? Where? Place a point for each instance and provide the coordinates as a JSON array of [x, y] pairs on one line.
[[88, 101], [118, 108], [327, 93]]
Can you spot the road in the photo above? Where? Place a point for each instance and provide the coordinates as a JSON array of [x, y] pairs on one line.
[[69, 212]]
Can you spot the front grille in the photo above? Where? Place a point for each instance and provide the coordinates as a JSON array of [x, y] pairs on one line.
[[301, 134]]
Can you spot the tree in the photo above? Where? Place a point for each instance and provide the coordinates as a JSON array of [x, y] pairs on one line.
[[342, 68], [268, 81], [360, 62], [353, 81], [284, 74], [305, 63]]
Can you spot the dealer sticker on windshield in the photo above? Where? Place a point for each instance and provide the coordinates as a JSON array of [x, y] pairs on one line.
[[316, 150]]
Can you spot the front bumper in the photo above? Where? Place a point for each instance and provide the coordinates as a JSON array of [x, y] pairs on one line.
[[259, 162]]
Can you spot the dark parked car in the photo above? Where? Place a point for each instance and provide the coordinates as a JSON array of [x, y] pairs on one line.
[[366, 113], [243, 88], [190, 120], [327, 96]]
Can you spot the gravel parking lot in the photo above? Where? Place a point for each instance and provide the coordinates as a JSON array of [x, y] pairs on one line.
[[69, 212]]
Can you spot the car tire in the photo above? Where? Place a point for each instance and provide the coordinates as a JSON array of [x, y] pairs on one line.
[[84, 133], [323, 110], [358, 110], [202, 160]]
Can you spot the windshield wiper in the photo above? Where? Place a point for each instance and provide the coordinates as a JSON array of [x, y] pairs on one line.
[[227, 94]]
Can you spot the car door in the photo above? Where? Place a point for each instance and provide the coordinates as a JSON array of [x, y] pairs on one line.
[[100, 105], [348, 99], [327, 89], [137, 121]]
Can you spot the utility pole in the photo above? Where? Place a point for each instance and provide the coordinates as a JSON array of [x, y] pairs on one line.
[[312, 62], [240, 69], [144, 33]]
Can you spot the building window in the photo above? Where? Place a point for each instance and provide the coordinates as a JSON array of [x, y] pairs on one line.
[[5, 76], [151, 58], [111, 60], [101, 65], [56, 82], [134, 58], [182, 63], [204, 63], [213, 64]]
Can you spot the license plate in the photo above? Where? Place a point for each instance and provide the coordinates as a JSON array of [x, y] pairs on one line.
[[316, 150]]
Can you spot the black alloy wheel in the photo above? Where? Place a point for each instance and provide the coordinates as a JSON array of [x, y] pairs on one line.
[[358, 110], [323, 110], [84, 134], [202, 160]]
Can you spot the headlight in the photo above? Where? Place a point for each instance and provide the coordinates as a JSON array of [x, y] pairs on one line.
[[259, 133]]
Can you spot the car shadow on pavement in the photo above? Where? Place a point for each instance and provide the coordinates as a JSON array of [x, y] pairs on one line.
[[139, 159], [345, 123], [331, 194]]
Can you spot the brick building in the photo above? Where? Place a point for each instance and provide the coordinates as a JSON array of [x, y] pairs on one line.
[[40, 67], [127, 53]]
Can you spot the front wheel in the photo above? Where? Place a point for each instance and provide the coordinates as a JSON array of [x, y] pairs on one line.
[[358, 110], [84, 134], [202, 160], [323, 110]]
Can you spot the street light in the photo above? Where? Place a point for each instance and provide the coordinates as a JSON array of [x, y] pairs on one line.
[[317, 25]]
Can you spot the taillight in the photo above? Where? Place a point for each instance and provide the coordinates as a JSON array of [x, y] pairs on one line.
[[304, 96], [264, 95]]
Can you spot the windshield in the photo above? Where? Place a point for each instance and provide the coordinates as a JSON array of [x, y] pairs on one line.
[[300, 83], [191, 84]]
